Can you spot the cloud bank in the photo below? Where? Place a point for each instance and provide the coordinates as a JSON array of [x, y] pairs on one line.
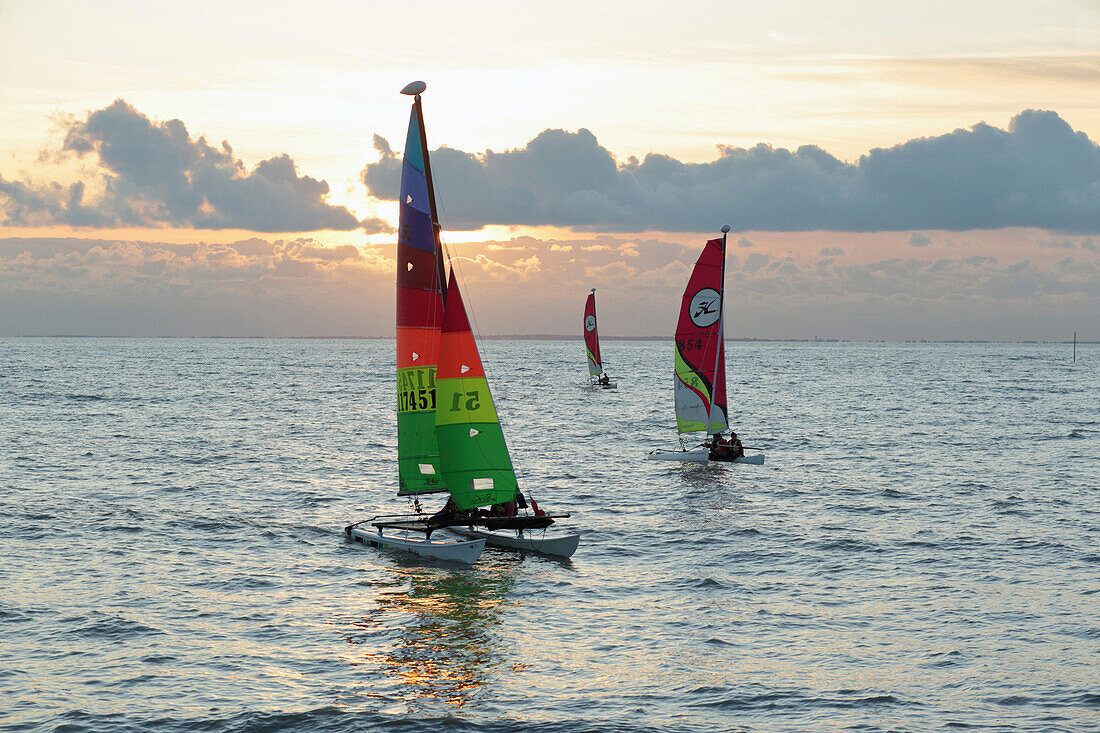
[[1037, 173], [1039, 288], [155, 174], [253, 287]]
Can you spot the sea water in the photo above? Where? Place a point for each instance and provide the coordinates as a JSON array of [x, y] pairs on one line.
[[921, 550]]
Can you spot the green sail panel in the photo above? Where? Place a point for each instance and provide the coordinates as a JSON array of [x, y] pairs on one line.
[[472, 452], [418, 461]]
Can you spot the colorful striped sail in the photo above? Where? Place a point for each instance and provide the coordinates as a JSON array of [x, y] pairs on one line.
[[591, 335], [700, 372], [419, 314], [472, 451]]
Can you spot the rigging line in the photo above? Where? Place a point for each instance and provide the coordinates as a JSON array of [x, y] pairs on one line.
[[471, 317], [461, 275], [441, 213]]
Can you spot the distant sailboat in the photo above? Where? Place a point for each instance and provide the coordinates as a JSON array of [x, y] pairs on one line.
[[700, 365], [449, 438], [597, 378]]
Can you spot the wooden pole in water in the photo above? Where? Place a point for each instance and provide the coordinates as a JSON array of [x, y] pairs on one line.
[[1075, 347]]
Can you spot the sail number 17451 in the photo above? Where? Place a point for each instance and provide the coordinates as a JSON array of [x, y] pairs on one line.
[[415, 390]]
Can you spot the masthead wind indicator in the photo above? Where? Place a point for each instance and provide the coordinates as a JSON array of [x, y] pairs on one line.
[[414, 87]]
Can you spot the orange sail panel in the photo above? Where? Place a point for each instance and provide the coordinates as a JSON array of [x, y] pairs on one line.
[[473, 455]]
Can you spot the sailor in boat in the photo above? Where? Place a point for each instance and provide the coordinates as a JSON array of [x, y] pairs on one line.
[[726, 449], [444, 516], [508, 508], [504, 509], [604, 379], [449, 515]]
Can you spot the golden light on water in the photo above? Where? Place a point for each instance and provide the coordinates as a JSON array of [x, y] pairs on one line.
[[441, 640]]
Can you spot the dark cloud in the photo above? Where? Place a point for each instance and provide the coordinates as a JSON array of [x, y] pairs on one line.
[[1056, 243], [23, 204], [155, 173], [918, 239], [1037, 173]]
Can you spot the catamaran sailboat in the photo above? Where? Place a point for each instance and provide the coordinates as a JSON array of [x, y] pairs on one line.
[[700, 366], [449, 438], [597, 377]]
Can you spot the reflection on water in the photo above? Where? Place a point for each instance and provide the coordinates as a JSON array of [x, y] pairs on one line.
[[699, 503], [439, 627]]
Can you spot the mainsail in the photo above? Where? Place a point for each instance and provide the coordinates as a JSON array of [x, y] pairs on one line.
[[700, 374], [473, 454], [591, 335], [420, 298]]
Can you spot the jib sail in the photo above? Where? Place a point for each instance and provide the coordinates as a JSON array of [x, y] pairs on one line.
[[473, 454]]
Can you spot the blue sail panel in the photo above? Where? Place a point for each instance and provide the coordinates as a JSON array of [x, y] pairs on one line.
[[414, 186]]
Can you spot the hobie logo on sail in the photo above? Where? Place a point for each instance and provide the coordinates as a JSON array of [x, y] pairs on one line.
[[590, 323], [706, 307]]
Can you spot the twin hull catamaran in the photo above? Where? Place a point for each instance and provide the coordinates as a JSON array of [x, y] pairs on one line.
[[449, 438], [597, 377], [700, 367]]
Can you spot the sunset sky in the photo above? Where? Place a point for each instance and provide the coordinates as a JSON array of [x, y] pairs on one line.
[[890, 171]]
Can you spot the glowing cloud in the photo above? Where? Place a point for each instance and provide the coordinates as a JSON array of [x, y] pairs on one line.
[[154, 174]]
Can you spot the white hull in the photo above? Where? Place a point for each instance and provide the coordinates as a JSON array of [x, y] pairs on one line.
[[695, 455], [699, 455], [464, 551], [559, 545], [610, 385]]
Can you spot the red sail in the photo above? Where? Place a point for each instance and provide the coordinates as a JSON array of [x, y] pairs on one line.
[[591, 335], [700, 370]]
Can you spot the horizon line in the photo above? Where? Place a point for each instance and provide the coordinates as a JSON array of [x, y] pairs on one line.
[[563, 337]]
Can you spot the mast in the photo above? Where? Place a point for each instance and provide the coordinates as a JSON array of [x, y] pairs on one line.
[[431, 195], [596, 333], [419, 315], [721, 328]]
